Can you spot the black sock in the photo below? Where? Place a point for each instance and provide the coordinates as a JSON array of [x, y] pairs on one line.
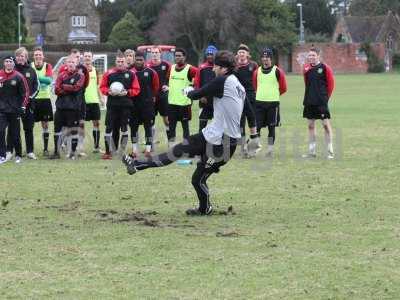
[[56, 143], [45, 141], [29, 140], [96, 138], [74, 143], [107, 140]]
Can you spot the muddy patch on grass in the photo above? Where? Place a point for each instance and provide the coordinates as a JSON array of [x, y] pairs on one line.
[[144, 218], [230, 233], [228, 211], [67, 207], [104, 213], [139, 217]]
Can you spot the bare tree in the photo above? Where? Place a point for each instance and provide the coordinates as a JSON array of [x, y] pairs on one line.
[[223, 22]]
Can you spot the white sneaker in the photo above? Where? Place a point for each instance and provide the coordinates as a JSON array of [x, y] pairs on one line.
[[64, 147], [309, 155], [269, 154], [9, 156], [253, 147], [18, 160], [330, 155], [82, 154], [2, 160], [31, 155], [98, 150]]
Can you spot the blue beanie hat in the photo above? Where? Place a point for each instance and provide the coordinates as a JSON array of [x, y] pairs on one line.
[[211, 49]]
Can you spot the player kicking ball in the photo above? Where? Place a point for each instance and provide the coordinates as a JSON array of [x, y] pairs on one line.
[[216, 143]]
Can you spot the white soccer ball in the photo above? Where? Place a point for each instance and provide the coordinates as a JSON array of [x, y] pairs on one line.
[[116, 87]]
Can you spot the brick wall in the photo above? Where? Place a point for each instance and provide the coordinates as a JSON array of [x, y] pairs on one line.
[[343, 58]]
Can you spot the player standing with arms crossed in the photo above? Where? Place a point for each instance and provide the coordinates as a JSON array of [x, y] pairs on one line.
[[43, 107], [69, 87]]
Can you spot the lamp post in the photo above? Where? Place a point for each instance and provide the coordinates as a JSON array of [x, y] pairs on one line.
[[301, 40], [19, 23]]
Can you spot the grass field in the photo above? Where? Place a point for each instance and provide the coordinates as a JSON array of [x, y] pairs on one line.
[[300, 229]]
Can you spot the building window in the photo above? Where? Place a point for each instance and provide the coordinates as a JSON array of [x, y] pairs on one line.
[[78, 21], [341, 38], [390, 42]]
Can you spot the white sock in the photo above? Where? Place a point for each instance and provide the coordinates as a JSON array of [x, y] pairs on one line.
[[330, 147], [148, 148], [80, 143], [312, 147], [135, 147]]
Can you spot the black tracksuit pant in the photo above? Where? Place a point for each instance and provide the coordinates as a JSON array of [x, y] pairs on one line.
[[212, 158], [12, 122]]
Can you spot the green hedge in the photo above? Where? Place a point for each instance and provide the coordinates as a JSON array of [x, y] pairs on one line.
[[396, 61]]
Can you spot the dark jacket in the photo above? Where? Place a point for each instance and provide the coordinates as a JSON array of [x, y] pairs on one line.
[[31, 78], [69, 86], [319, 83], [14, 92]]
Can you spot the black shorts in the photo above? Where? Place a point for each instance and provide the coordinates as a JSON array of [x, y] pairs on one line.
[[248, 113], [212, 156], [92, 112], [43, 110], [161, 105], [83, 111], [267, 113], [66, 118], [179, 113], [142, 112], [316, 112], [206, 113]]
